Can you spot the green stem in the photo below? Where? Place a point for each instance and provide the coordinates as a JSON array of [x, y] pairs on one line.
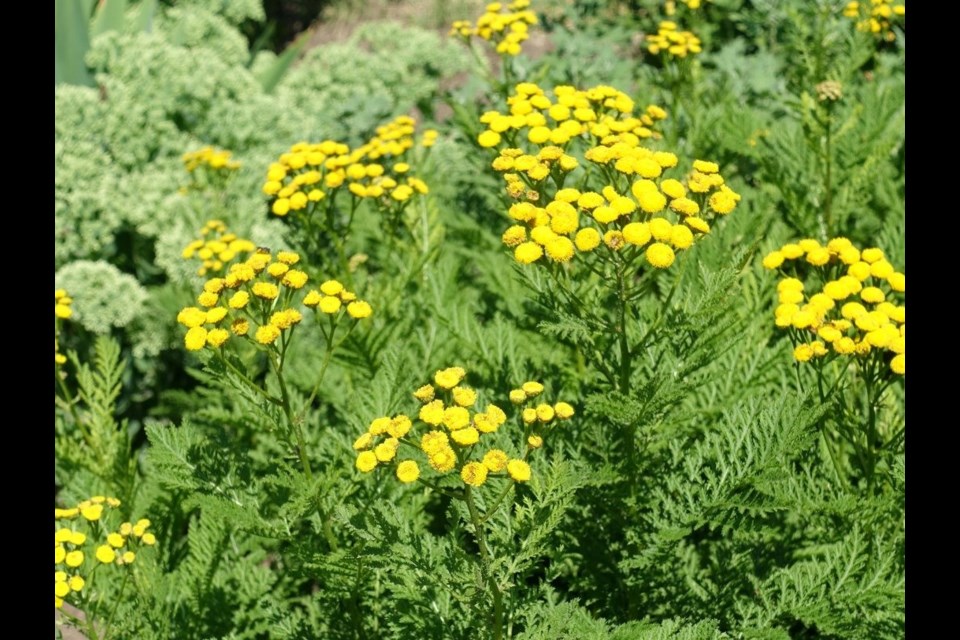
[[485, 556], [828, 187], [253, 385], [626, 359], [119, 597], [292, 423], [497, 502]]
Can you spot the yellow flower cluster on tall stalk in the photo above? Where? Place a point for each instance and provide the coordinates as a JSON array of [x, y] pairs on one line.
[[452, 436], [670, 6], [624, 206], [453, 447], [312, 173], [209, 158], [83, 542], [210, 170], [216, 248], [258, 303], [877, 17], [306, 185], [257, 300], [670, 41], [839, 301], [502, 24], [61, 311]]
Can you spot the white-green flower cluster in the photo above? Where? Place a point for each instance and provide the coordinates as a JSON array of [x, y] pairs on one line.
[[103, 296]]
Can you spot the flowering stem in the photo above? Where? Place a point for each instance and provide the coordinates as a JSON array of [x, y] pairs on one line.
[[827, 219], [293, 424], [485, 556], [625, 355], [499, 500], [244, 377], [69, 401], [113, 612]]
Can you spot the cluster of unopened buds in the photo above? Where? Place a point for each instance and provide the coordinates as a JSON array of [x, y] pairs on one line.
[[259, 297], [74, 540], [216, 247], [452, 436], [838, 300], [503, 24]]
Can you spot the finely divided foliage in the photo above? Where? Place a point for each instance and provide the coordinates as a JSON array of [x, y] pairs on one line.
[[469, 331]]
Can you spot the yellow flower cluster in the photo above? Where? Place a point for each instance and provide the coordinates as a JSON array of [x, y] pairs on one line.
[[215, 159], [312, 172], [503, 24], [453, 429], [877, 17], [637, 210], [670, 41], [216, 247], [573, 114], [258, 296], [855, 308], [61, 311], [670, 6], [72, 544]]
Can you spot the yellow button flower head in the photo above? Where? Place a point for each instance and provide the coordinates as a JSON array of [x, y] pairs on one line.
[[366, 461], [456, 418], [563, 410], [545, 413], [495, 460], [660, 255], [474, 474], [106, 554], [449, 378], [385, 451], [518, 470], [424, 393], [399, 426], [267, 334], [74, 558], [92, 512], [408, 471], [464, 396], [465, 437], [443, 460], [359, 310]]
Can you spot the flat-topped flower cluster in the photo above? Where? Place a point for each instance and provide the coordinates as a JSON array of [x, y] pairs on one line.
[[838, 300], [451, 435]]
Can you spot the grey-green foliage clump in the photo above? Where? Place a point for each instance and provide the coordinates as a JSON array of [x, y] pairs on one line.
[[384, 69], [194, 27], [234, 11], [103, 296]]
